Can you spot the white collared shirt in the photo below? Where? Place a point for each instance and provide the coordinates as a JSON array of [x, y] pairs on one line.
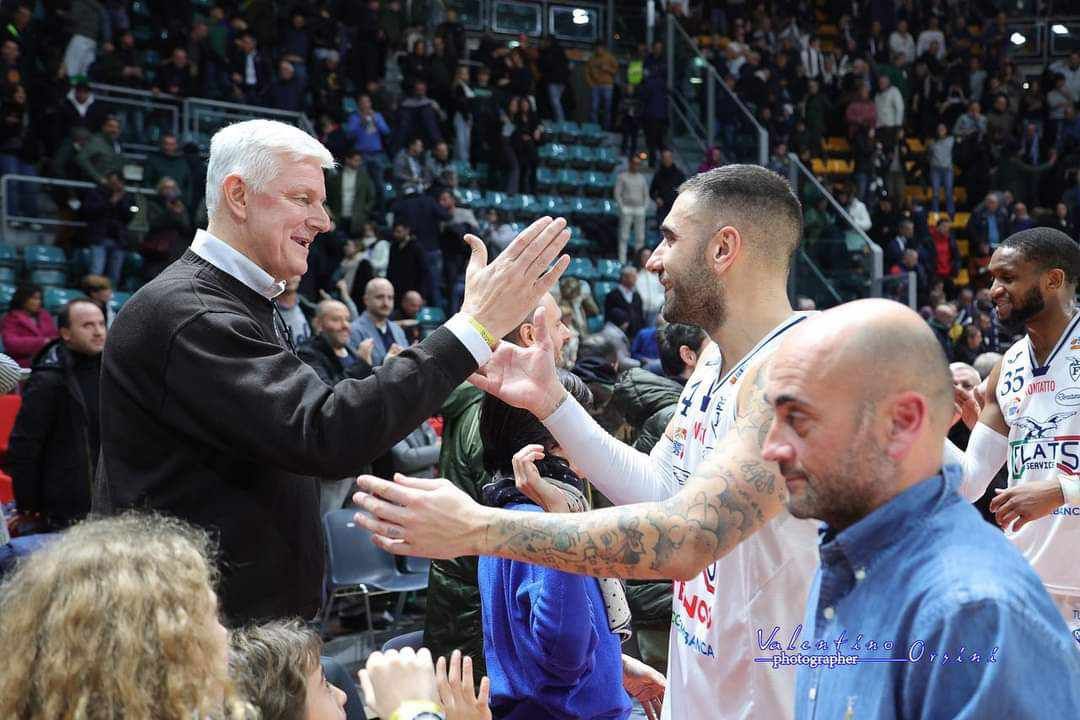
[[232, 262]]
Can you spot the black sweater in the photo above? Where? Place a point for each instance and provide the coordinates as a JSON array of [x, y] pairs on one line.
[[206, 416]]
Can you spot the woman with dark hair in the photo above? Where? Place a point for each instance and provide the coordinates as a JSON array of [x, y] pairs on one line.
[[527, 134], [27, 327], [551, 638]]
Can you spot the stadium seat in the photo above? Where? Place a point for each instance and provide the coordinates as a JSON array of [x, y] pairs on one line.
[[606, 159], [608, 269], [595, 324], [547, 179], [570, 132], [552, 154], [578, 205], [49, 278], [118, 300], [55, 298], [6, 293], [582, 268], [430, 317], [465, 173], [9, 256], [7, 275], [40, 257], [837, 145], [600, 290], [569, 180], [592, 133], [580, 156]]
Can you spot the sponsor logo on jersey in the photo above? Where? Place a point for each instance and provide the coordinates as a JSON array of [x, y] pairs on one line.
[[1041, 449], [1014, 358], [1068, 396], [1012, 408], [699, 431], [1072, 510], [678, 443], [696, 607], [1074, 344], [1074, 369], [1036, 387]]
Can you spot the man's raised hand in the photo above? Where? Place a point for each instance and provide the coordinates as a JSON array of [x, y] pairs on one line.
[[500, 295]]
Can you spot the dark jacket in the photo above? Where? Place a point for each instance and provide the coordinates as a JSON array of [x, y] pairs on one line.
[[231, 425], [423, 215], [453, 595], [633, 309], [363, 199], [53, 449], [407, 268], [104, 218], [317, 353], [159, 165], [665, 185]]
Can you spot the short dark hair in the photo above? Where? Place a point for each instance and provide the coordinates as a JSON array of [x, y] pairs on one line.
[[270, 664], [670, 338], [352, 152], [505, 429], [753, 198], [63, 318], [22, 294], [1049, 249]]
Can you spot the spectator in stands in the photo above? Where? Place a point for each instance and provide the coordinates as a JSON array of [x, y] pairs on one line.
[[714, 158], [582, 304], [600, 71], [79, 109], [333, 136], [169, 163], [141, 588], [941, 254], [451, 233], [369, 131], [648, 287], [19, 151], [291, 313], [631, 195], [554, 73], [625, 297], [942, 323], [940, 154], [249, 71], [53, 451], [969, 345], [862, 112], [169, 227], [350, 194], [461, 112], [374, 323], [107, 210], [903, 240], [496, 232], [971, 125], [87, 21], [102, 153], [439, 172], [855, 207], [27, 327], [889, 110], [865, 152], [932, 39], [910, 263], [177, 76], [1060, 221], [423, 214], [665, 184], [615, 331], [989, 223], [527, 134], [654, 114], [902, 44], [1000, 122], [99, 289], [407, 268], [421, 115], [328, 351], [276, 667], [408, 168], [1020, 219], [1069, 68], [287, 92]]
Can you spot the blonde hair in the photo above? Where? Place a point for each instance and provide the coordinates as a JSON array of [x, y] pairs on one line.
[[256, 150], [270, 664], [114, 619]]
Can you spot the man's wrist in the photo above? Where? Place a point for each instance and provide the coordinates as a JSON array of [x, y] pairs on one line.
[[1070, 490], [553, 400], [418, 710]]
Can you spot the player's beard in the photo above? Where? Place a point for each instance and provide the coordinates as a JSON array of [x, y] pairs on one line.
[[697, 299], [1030, 305]]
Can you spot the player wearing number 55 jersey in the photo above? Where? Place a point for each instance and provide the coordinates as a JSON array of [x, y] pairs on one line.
[[1031, 419]]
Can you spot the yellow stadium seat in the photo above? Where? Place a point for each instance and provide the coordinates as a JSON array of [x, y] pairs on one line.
[[963, 245], [961, 220], [915, 145], [818, 167], [960, 194], [962, 278], [837, 145]]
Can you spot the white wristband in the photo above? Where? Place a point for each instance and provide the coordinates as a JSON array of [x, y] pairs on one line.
[[1070, 488]]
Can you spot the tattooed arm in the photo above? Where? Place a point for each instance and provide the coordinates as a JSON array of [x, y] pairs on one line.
[[728, 499]]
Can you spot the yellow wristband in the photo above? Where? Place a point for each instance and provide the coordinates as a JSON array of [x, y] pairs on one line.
[[484, 332], [418, 710]]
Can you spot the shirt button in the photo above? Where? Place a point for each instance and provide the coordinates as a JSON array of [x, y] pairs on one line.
[[813, 693], [828, 613], [860, 574]]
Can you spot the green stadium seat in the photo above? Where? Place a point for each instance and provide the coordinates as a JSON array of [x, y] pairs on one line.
[[580, 156], [608, 269], [600, 290], [605, 159], [571, 132], [7, 275], [596, 324], [48, 278], [37, 257], [430, 317], [591, 133], [55, 298], [569, 180], [547, 178], [552, 154], [9, 256], [582, 268], [118, 300], [7, 291]]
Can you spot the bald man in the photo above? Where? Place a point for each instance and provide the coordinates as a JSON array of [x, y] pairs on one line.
[[700, 492], [374, 323], [328, 350], [923, 609]]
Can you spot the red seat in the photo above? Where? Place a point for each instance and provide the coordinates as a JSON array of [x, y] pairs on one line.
[[7, 490], [9, 409]]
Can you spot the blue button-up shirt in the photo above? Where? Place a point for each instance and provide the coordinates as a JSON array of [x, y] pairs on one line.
[[946, 618]]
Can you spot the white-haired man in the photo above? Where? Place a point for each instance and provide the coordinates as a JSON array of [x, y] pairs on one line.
[[210, 416]]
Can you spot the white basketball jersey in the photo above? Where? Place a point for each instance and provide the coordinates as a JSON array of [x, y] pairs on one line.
[[1041, 406], [760, 584]]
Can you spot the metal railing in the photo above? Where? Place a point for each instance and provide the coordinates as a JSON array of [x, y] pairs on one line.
[[144, 115], [45, 198], [694, 85], [202, 117], [853, 262]]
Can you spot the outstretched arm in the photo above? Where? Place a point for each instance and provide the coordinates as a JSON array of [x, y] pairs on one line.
[[731, 496]]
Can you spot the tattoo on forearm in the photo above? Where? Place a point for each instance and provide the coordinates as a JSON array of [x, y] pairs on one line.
[[648, 540]]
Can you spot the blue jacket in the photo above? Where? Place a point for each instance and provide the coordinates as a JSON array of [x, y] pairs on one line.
[[363, 328], [549, 652], [368, 141]]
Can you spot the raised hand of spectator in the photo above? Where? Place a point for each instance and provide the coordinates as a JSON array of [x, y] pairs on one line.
[[500, 295], [393, 351], [394, 677], [528, 481], [364, 351], [456, 690], [644, 685]]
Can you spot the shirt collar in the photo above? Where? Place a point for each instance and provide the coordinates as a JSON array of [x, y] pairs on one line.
[[861, 543], [231, 261]]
